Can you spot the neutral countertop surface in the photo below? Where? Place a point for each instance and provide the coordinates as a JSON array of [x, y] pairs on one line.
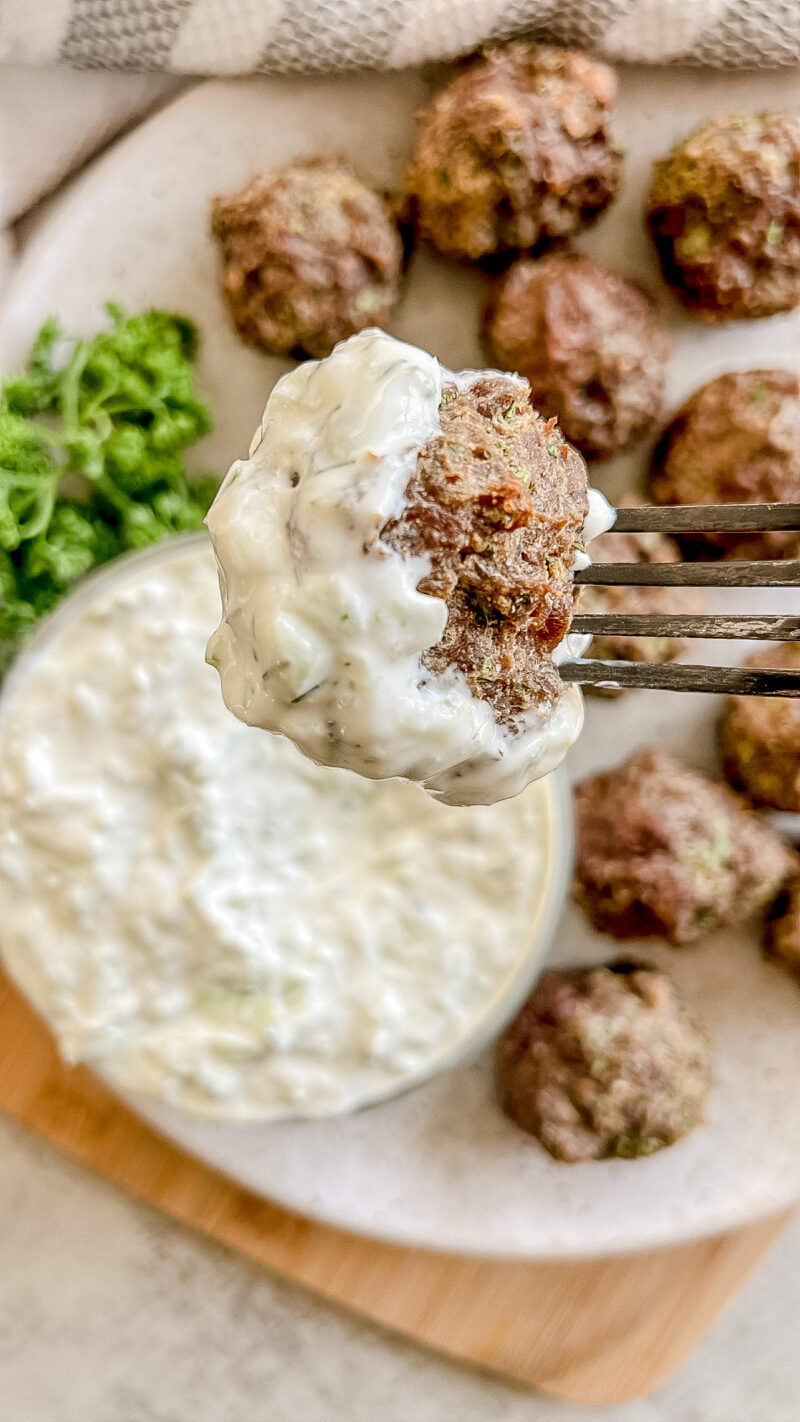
[[111, 1313]]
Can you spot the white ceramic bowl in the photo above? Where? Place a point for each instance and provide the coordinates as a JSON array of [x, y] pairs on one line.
[[557, 836]]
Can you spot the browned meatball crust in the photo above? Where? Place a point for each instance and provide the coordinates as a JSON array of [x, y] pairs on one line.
[[759, 738], [737, 440], [724, 210], [310, 256], [782, 942], [604, 1062], [498, 501], [516, 152], [662, 851], [591, 345], [598, 600]]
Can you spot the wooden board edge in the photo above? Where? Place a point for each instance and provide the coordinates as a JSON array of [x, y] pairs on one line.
[[598, 1331]]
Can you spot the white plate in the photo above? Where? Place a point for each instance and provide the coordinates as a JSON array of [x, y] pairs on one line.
[[441, 1167]]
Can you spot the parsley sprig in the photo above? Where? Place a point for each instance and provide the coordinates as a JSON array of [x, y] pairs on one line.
[[92, 436]]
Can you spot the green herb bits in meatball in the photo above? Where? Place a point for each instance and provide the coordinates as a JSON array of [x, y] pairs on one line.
[[724, 211], [604, 1062], [515, 153], [591, 345], [760, 738], [664, 852], [737, 440], [310, 256]]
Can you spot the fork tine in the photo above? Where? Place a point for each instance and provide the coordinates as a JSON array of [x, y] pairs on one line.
[[706, 518], [781, 573], [692, 518], [770, 629], [737, 681]]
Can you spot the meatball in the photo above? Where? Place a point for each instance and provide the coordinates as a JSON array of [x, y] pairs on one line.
[[724, 210], [597, 600], [497, 501], [515, 153], [604, 1062], [310, 255], [783, 928], [737, 440], [662, 851], [760, 738], [396, 560], [590, 344]]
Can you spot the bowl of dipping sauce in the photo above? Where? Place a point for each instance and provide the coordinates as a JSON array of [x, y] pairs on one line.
[[203, 915]]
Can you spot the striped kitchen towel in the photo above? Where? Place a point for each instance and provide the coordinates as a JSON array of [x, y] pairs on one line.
[[315, 36]]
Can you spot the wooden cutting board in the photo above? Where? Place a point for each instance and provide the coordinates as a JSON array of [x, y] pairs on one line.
[[599, 1331]]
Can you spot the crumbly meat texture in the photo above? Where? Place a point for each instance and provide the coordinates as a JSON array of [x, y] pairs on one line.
[[310, 256], [591, 345], [604, 1062], [662, 851], [759, 738], [516, 152], [724, 210], [498, 501], [597, 600], [782, 941], [737, 440]]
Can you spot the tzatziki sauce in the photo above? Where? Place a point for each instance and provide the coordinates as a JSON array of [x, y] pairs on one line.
[[323, 628], [204, 914]]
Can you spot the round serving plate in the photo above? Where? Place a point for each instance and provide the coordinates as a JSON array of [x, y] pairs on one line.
[[441, 1167]]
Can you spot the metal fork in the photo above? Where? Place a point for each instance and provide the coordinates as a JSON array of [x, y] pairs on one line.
[[694, 518]]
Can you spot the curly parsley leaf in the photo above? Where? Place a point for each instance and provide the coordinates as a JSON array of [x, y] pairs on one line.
[[111, 415]]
